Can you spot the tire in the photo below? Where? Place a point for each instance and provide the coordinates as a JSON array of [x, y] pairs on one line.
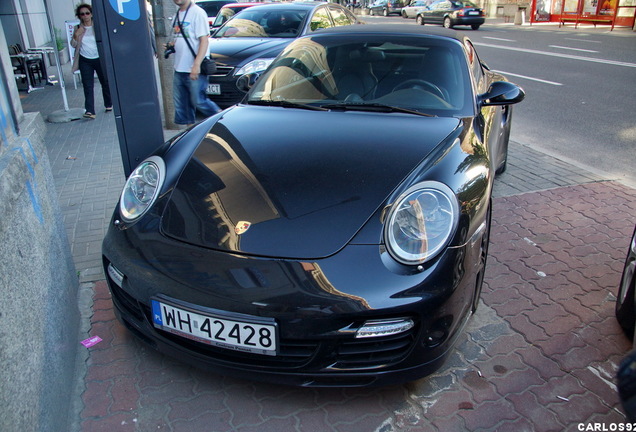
[[625, 309], [503, 165], [404, 14], [475, 26], [505, 139], [385, 12], [447, 23], [483, 258], [419, 20]]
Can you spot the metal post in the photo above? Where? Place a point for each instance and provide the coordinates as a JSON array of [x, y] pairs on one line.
[[163, 11]]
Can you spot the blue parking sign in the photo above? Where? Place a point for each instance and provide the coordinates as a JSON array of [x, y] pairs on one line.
[[128, 9]]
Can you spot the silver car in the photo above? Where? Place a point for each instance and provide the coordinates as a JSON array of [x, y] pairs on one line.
[[410, 11]]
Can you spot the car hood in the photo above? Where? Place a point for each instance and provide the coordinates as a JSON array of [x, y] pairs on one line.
[[296, 184], [232, 51]]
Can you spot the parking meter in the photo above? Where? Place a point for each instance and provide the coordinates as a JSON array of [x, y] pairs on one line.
[[125, 47]]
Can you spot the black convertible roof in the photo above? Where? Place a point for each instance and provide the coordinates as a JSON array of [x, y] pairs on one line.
[[395, 29]]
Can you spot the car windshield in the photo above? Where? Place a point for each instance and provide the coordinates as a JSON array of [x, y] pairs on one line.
[[424, 75], [265, 22], [226, 13]]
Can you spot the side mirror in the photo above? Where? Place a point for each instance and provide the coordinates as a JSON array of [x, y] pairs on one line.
[[502, 93], [245, 82]]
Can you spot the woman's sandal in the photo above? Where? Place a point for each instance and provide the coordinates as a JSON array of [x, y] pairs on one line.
[[89, 115]]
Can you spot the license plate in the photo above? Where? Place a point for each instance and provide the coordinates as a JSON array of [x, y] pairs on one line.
[[238, 335], [473, 13], [214, 89]]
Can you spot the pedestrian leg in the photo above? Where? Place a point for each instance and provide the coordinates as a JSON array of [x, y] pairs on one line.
[[88, 81]]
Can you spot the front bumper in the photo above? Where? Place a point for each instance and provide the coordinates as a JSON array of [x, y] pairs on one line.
[[317, 306]]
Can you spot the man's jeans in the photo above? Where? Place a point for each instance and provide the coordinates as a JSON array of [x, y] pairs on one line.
[[189, 96]]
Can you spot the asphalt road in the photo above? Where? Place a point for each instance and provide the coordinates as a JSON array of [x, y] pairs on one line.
[[580, 85]]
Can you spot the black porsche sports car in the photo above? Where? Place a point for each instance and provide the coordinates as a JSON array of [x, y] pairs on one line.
[[330, 230]]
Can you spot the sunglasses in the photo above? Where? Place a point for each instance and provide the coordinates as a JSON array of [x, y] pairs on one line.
[[84, 13]]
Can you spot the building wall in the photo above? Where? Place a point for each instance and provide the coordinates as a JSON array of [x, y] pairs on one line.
[[25, 21], [39, 318]]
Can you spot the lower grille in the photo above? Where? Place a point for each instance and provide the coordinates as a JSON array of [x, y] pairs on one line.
[[373, 353], [222, 71], [125, 301], [230, 95]]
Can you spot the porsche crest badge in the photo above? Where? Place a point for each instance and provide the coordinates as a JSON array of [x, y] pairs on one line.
[[241, 227]]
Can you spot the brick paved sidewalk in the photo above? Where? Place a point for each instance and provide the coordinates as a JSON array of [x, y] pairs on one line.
[[540, 354]]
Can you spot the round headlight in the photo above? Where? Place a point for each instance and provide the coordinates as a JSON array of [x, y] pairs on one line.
[[421, 222], [141, 188]]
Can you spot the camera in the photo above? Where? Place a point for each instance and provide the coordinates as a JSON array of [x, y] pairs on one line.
[[169, 50]]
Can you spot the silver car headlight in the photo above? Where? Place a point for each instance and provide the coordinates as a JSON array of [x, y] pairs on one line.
[[421, 222], [258, 65], [142, 188]]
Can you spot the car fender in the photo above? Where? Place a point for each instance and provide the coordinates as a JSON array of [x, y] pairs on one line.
[[460, 162]]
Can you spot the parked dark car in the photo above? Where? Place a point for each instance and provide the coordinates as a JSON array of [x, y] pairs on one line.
[[212, 8], [249, 42], [451, 13], [625, 301], [385, 7], [330, 230]]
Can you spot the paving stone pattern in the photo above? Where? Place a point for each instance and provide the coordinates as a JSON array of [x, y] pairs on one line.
[[540, 354]]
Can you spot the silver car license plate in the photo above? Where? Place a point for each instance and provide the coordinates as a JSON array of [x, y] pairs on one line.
[[220, 331], [214, 89]]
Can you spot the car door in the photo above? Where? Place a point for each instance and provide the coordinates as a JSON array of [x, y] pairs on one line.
[[440, 10], [412, 9], [430, 12]]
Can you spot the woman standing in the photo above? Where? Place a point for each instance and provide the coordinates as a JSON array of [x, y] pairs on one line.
[[86, 60]]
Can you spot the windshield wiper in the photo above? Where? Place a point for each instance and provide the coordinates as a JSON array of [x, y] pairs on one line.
[[375, 107], [285, 104]]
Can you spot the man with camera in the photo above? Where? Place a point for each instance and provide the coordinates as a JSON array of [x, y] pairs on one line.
[[190, 47]]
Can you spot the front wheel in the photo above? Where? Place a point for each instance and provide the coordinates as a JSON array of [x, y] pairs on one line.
[[505, 141], [419, 20], [385, 12], [448, 23]]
